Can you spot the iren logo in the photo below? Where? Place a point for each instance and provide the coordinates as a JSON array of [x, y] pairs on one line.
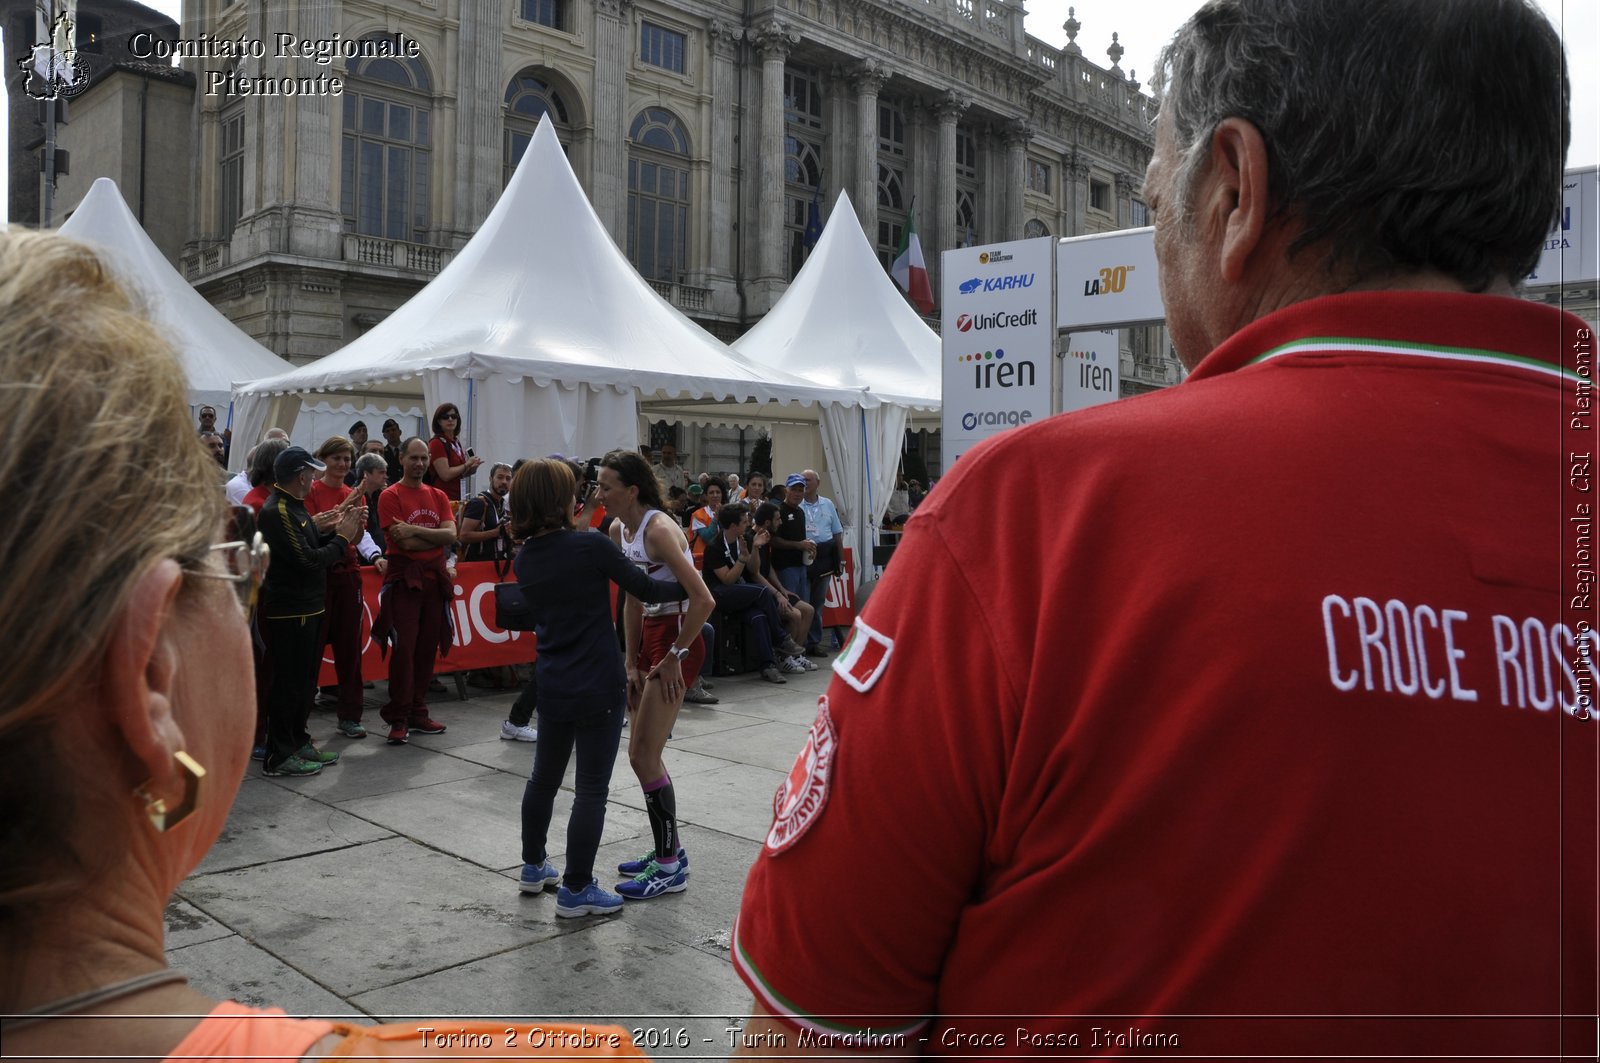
[[1113, 279], [991, 370]]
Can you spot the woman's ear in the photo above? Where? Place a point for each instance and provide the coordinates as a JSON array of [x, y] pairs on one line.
[[139, 671]]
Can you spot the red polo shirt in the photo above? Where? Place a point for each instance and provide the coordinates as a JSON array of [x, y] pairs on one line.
[[1271, 733]]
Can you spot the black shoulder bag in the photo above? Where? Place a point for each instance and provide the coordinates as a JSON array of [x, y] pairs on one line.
[[511, 612]]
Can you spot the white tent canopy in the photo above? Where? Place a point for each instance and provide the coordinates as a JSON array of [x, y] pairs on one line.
[[215, 352], [844, 323], [544, 335]]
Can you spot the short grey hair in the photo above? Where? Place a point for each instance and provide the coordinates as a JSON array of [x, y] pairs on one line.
[[496, 467], [370, 462], [1407, 134]]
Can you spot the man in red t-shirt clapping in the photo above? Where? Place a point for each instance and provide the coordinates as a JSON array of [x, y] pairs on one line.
[[415, 615]]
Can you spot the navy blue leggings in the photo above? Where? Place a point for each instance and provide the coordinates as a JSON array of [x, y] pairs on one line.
[[596, 737]]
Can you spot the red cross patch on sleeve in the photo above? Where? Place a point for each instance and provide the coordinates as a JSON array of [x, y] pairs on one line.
[[865, 657], [804, 794]]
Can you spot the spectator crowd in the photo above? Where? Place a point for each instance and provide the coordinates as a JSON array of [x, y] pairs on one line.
[[767, 549]]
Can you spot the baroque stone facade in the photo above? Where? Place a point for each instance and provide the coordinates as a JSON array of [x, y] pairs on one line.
[[702, 130]]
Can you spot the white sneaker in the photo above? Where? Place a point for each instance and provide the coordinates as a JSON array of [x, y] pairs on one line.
[[510, 732], [792, 667]]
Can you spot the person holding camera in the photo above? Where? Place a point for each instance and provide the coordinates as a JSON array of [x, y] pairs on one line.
[[448, 464], [565, 573]]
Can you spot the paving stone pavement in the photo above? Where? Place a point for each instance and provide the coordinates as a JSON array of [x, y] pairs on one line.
[[385, 888]]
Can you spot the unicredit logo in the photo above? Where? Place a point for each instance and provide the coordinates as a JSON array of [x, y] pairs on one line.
[[999, 319]]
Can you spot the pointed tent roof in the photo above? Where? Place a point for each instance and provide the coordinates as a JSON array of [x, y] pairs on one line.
[[542, 292], [844, 323], [215, 352]]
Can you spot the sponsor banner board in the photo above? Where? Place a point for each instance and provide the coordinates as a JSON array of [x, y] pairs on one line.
[[1090, 371], [999, 339], [839, 607], [1107, 280], [479, 644], [1571, 252]]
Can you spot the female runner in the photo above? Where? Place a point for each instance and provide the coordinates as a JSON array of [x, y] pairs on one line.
[[664, 652]]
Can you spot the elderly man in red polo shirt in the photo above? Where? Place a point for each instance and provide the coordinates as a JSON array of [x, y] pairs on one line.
[[1275, 736], [419, 527]]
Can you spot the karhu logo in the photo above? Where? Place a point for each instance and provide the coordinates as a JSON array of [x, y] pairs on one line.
[[997, 284]]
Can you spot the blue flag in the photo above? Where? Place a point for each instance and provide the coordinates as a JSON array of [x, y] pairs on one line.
[[813, 231]]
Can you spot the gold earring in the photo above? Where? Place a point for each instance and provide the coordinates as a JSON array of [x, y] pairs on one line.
[[193, 783]]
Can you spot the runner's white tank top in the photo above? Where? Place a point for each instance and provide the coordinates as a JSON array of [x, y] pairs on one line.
[[634, 550]]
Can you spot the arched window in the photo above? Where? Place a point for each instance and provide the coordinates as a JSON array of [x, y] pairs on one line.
[[529, 98], [891, 180], [966, 218], [658, 196], [230, 168], [386, 154], [1034, 228], [966, 233], [802, 159]]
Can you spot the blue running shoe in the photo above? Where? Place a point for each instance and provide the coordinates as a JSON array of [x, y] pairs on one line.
[[535, 877], [631, 868], [593, 899], [653, 882]]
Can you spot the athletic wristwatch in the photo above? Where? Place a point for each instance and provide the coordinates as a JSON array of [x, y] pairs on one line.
[[680, 652]]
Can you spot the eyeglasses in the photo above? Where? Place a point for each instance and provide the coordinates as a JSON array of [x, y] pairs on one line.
[[449, 417], [244, 564]]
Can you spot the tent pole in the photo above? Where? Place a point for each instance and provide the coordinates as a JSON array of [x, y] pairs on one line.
[[472, 419]]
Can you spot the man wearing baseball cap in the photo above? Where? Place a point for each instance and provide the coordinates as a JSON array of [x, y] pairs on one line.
[[292, 596]]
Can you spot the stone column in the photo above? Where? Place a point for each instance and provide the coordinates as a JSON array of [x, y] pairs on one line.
[[1127, 184], [725, 42], [315, 228], [479, 150], [1075, 174], [867, 79], [612, 22], [948, 109], [1016, 134], [773, 39]]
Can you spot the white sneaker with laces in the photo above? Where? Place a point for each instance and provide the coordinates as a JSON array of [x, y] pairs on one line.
[[510, 732]]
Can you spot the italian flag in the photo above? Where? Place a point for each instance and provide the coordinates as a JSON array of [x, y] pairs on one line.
[[910, 271]]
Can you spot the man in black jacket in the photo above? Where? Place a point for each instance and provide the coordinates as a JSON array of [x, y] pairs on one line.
[[292, 596]]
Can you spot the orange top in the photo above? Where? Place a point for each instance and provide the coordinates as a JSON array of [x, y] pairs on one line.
[[233, 1031], [445, 1038]]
